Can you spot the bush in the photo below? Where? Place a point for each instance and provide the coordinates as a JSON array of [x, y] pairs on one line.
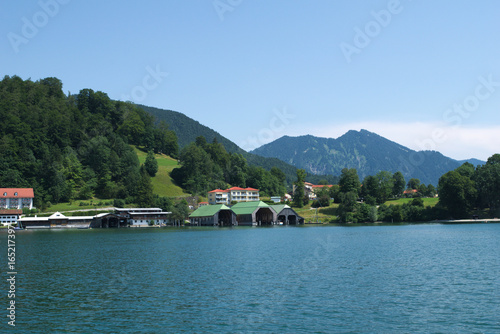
[[119, 203]]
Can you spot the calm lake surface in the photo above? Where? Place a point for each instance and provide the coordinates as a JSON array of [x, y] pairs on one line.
[[370, 279]]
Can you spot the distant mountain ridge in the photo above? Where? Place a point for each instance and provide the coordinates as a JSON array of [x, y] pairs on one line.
[[187, 129], [366, 151]]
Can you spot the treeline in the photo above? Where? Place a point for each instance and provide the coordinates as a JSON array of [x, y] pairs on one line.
[[207, 166], [75, 146], [464, 192]]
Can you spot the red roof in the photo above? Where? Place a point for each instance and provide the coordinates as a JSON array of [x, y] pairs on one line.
[[218, 191], [232, 189], [11, 212], [16, 193], [410, 191]]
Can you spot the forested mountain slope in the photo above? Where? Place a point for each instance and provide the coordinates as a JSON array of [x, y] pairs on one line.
[[75, 147], [368, 152]]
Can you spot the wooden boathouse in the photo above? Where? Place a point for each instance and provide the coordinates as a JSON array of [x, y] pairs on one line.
[[254, 213], [287, 215], [213, 215]]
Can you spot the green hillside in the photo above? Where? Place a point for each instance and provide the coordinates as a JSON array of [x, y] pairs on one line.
[[187, 129], [162, 182]]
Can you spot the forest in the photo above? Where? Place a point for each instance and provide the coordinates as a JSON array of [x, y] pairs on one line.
[[466, 192], [69, 147], [207, 166]]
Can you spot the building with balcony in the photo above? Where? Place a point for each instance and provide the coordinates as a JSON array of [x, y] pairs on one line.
[[16, 198], [234, 194]]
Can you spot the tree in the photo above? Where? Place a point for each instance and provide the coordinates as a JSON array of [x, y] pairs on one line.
[[369, 190], [457, 193], [347, 207], [487, 178], [399, 183], [413, 183], [385, 185], [349, 181], [322, 198], [151, 164], [144, 197], [180, 210], [299, 193]]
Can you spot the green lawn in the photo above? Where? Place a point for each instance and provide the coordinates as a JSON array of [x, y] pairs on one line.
[[427, 201], [162, 182], [328, 214]]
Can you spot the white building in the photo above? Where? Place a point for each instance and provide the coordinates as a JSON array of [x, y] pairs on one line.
[[9, 217], [234, 194], [16, 198], [141, 217]]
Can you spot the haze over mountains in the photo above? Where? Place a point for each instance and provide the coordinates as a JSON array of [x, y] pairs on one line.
[[366, 151]]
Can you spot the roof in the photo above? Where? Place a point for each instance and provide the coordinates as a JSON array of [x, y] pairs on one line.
[[247, 208], [322, 185], [11, 212], [218, 191], [208, 210], [410, 191], [21, 193], [235, 188], [279, 207], [232, 189]]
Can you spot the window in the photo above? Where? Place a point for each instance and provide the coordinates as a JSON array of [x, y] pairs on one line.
[[15, 194], [5, 194]]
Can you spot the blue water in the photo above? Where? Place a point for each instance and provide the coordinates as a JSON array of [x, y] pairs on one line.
[[373, 279]]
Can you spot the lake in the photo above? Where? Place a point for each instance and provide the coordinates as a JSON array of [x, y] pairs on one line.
[[324, 279]]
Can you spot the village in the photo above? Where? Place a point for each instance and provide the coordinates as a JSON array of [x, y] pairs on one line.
[[234, 206]]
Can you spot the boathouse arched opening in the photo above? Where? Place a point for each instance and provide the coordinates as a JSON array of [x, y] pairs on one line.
[[265, 216], [226, 218]]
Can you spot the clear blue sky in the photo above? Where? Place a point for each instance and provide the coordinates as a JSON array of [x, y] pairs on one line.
[[396, 68]]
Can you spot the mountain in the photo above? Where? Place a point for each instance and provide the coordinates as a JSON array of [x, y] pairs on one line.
[[187, 129], [366, 151]]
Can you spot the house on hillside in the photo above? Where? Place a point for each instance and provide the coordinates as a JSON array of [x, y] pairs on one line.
[[16, 198], [213, 215], [311, 190], [409, 192], [234, 194], [254, 213]]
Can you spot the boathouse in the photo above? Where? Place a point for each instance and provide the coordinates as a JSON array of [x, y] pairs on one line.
[[254, 213], [213, 215], [287, 215], [141, 217], [109, 220], [57, 220]]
